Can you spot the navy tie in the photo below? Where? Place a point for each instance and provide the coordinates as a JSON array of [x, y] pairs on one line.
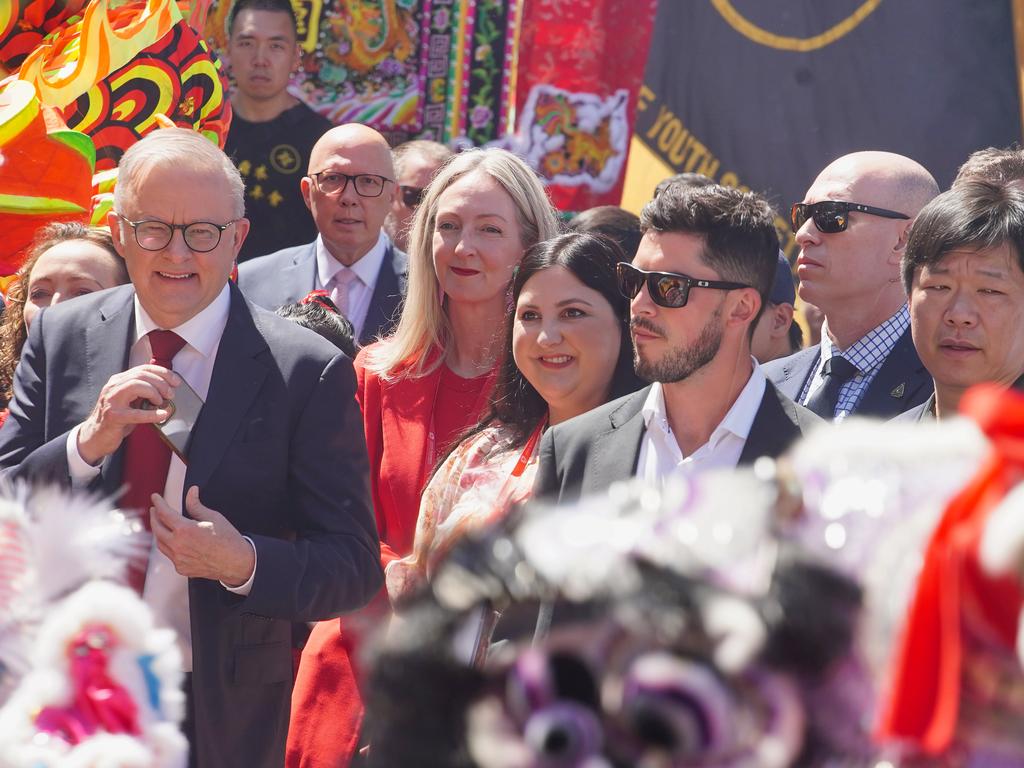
[[836, 372]]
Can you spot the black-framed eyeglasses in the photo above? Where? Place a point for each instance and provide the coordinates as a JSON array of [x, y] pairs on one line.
[[335, 182], [667, 289], [412, 196], [831, 216], [154, 235]]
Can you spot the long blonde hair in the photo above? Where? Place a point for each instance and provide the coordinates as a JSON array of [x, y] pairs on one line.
[[424, 325]]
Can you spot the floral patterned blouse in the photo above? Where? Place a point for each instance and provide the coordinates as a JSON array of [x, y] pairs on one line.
[[474, 487]]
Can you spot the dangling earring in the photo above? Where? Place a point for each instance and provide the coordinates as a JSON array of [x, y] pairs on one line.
[[509, 298]]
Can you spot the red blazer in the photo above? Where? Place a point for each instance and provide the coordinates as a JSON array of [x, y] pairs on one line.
[[396, 421], [327, 705]]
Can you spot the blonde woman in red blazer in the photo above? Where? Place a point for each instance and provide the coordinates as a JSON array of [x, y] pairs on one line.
[[420, 389]]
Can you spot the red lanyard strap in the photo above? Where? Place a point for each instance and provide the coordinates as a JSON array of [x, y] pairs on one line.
[[531, 444]]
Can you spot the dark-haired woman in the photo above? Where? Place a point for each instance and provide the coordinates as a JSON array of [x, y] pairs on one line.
[[568, 351]]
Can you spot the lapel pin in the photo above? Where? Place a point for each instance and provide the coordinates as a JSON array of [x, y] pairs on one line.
[[898, 392]]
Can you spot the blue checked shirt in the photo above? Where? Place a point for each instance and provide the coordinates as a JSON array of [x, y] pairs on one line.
[[867, 354]]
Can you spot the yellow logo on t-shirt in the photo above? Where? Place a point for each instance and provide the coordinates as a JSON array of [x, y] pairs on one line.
[[285, 159]]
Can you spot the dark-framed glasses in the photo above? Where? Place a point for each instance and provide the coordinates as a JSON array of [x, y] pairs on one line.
[[335, 182], [831, 216], [667, 289], [154, 235], [412, 196]]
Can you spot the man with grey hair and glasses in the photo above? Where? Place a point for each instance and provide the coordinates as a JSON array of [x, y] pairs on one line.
[[260, 515]]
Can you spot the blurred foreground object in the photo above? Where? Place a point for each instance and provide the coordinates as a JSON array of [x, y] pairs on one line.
[[85, 677]]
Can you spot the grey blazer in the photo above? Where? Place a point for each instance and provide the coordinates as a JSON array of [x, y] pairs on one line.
[[278, 449], [587, 454], [288, 275]]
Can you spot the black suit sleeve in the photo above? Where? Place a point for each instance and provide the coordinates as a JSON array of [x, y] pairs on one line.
[[547, 485], [333, 563], [24, 451]]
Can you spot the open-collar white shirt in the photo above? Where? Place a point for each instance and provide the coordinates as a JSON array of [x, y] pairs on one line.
[[166, 591], [660, 454]]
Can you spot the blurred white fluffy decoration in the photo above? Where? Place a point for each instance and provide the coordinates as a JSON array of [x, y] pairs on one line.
[[87, 679]]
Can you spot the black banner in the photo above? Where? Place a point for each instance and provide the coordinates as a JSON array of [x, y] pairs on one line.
[[764, 95]]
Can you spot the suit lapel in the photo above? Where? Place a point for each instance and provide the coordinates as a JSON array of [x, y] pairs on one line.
[[776, 425], [901, 382], [615, 453], [795, 371], [105, 356], [387, 297], [406, 416], [237, 377], [299, 277]]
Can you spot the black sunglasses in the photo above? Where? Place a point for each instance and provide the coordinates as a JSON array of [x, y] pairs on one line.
[[831, 216], [412, 196], [667, 289]]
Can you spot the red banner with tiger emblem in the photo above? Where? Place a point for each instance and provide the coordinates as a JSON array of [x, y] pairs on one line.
[[581, 64]]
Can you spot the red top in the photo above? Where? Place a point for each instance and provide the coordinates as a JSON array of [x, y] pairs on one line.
[[398, 417]]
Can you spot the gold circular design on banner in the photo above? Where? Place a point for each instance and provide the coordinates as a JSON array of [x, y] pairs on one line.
[[800, 44]]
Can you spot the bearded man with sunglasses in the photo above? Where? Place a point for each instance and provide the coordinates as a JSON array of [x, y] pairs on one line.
[[263, 519], [700, 278], [349, 189], [852, 229]]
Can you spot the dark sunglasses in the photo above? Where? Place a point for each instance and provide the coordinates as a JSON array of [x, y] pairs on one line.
[[412, 196], [831, 216], [667, 289]]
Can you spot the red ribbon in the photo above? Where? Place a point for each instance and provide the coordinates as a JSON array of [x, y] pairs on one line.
[[317, 297]]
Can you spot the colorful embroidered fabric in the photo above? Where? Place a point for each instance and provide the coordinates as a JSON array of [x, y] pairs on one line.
[[438, 69]]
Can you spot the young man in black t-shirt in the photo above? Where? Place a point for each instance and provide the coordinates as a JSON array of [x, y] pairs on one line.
[[272, 132]]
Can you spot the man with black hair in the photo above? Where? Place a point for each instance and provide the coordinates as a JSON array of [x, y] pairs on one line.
[[776, 333], [703, 272], [964, 273], [272, 132]]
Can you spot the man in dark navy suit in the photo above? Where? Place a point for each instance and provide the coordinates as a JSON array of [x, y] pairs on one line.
[[266, 521], [349, 189], [852, 229]]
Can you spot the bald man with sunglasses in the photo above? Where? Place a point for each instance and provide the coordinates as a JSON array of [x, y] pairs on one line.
[[852, 228], [702, 274]]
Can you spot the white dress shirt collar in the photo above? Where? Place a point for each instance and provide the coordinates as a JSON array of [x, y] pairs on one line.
[[202, 331], [366, 268], [660, 452], [738, 419]]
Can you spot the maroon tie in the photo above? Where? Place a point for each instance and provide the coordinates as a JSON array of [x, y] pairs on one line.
[[146, 456]]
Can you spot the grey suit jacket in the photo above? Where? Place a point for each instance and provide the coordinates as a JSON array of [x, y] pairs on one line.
[[900, 384], [288, 275], [587, 454], [919, 413], [278, 449]]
